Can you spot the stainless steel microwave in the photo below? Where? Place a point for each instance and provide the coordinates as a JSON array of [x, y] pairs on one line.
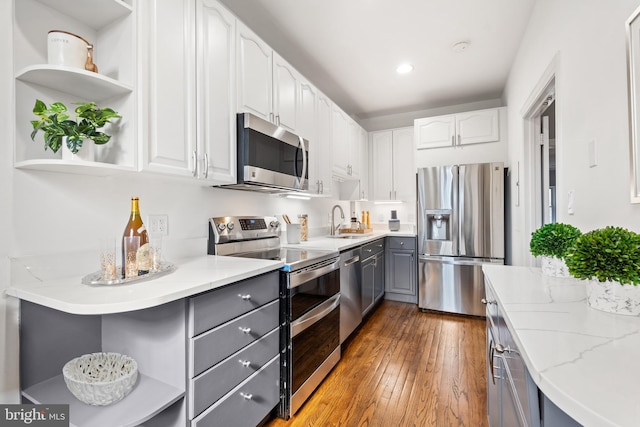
[[270, 158]]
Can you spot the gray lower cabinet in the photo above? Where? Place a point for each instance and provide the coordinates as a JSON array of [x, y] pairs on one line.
[[512, 396], [233, 353], [513, 399], [402, 270], [373, 266]]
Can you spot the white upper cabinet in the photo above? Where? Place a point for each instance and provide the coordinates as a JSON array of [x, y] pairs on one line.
[[254, 74], [199, 139], [382, 165], [268, 86], [478, 126], [216, 96], [286, 94], [110, 26], [347, 145], [322, 149], [393, 170], [168, 61], [458, 129]]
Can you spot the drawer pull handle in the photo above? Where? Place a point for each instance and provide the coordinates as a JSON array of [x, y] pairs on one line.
[[246, 396], [368, 250], [246, 297], [486, 301], [245, 363], [401, 243], [244, 330]]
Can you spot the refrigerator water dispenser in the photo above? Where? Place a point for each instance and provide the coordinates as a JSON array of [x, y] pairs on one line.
[[439, 224]]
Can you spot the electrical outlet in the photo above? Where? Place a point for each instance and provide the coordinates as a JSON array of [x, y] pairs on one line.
[[158, 224]]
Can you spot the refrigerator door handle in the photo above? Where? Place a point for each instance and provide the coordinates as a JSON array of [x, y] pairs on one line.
[[460, 204]]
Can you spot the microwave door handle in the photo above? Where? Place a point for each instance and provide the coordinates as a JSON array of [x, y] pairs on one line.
[[304, 162]]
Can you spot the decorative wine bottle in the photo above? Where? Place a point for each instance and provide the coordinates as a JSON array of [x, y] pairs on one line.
[[135, 227]]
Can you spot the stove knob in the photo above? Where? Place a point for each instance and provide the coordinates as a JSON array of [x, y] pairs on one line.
[[274, 224], [221, 226], [230, 226]]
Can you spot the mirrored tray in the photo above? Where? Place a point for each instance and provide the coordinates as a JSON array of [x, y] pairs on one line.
[[96, 277]]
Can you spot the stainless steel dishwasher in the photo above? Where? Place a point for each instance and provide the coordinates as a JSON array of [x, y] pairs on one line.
[[350, 293]]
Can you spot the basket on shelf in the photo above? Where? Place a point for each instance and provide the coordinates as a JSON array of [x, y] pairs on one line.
[[100, 379]]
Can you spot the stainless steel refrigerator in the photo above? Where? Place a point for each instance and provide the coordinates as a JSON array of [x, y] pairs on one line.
[[460, 227]]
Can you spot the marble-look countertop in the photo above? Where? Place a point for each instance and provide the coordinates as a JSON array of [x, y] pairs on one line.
[[55, 280], [36, 283], [584, 360]]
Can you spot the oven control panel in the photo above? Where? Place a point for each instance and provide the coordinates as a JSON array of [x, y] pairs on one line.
[[229, 229]]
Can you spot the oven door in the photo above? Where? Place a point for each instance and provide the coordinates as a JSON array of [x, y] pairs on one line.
[[310, 332]]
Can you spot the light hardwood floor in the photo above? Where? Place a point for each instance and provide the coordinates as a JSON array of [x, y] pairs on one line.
[[404, 368]]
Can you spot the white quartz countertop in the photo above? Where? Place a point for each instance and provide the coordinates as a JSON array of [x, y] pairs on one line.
[[192, 276], [55, 281], [345, 243], [584, 360]]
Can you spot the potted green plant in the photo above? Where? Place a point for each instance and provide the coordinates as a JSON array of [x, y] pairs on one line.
[[609, 259], [61, 131], [552, 242]]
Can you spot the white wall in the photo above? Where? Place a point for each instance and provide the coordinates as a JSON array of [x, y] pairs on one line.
[[585, 42]]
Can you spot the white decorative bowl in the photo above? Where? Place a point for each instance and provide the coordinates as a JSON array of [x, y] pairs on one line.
[[100, 379]]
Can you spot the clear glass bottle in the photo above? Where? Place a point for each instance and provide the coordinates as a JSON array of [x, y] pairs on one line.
[[304, 227]]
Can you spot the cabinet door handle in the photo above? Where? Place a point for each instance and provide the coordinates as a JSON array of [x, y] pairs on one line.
[[401, 243], [493, 377], [206, 165], [246, 396], [459, 140], [194, 157], [321, 187], [487, 302], [244, 330], [245, 363], [453, 140]]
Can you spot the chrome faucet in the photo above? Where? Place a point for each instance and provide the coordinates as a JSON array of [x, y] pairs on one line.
[[332, 231]]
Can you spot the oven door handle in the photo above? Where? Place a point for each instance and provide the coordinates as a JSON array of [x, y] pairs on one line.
[[298, 278], [315, 315]]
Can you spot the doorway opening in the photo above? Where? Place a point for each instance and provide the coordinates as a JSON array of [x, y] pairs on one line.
[[543, 149]]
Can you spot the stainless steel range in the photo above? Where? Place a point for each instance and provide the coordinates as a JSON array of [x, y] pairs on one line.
[[310, 301]]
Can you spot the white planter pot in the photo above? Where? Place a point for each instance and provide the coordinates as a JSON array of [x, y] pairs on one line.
[[613, 297], [87, 153], [554, 267], [67, 49]]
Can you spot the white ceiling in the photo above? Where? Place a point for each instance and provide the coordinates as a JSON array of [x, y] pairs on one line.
[[350, 49]]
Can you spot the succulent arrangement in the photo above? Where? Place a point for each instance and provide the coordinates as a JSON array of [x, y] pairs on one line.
[[553, 240], [606, 254], [56, 124]]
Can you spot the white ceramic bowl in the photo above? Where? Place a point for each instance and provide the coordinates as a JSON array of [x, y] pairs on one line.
[[100, 378]]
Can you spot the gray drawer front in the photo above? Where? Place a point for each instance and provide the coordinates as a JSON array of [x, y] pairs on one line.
[[237, 411], [219, 343], [372, 248], [207, 388], [401, 242], [221, 305]]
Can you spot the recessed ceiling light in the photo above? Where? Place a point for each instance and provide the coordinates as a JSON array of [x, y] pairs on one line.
[[460, 46], [404, 68]]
